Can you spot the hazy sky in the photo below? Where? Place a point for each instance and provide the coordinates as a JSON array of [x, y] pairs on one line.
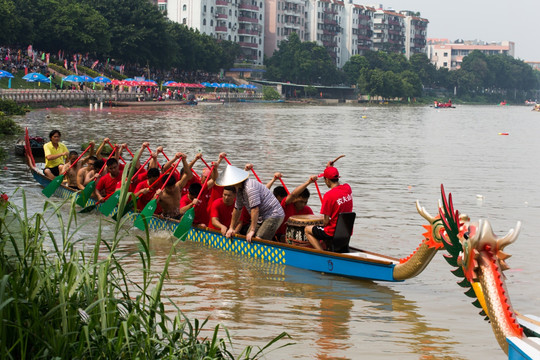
[[517, 21]]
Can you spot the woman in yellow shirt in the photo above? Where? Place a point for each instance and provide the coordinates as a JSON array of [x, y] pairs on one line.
[[55, 155]]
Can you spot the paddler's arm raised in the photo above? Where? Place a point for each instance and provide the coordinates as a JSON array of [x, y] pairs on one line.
[[276, 176], [187, 175], [100, 148], [299, 189]]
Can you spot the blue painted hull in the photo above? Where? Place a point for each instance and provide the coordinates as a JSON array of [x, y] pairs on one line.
[[348, 265]]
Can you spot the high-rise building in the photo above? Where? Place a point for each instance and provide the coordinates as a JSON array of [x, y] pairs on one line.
[[282, 18], [344, 27], [240, 21]]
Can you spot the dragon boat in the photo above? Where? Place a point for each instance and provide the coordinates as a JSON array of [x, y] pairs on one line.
[[355, 263], [477, 255]]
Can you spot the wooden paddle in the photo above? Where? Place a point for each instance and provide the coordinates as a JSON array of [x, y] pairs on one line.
[[108, 206], [55, 183], [186, 222], [150, 208], [88, 190], [284, 186]]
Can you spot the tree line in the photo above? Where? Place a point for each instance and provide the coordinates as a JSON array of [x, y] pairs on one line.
[[391, 75], [129, 31]]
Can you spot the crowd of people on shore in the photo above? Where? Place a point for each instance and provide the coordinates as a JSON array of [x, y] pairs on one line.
[[229, 202], [32, 60]]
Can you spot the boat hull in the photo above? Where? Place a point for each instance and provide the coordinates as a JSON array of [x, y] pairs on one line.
[[357, 264]]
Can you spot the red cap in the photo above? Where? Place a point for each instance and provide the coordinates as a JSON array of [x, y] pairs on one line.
[[330, 173]]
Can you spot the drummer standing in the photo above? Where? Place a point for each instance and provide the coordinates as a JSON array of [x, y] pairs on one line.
[[337, 200], [259, 201]]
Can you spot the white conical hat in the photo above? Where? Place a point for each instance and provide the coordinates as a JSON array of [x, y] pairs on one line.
[[231, 176]]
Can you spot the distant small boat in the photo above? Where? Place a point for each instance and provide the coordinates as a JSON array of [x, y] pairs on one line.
[[36, 144], [447, 105]]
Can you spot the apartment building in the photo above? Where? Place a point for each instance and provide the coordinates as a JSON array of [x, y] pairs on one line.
[[282, 18], [241, 21], [443, 53], [344, 28], [415, 33]]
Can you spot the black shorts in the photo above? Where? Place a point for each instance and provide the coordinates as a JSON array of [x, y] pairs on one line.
[[55, 170], [318, 232]]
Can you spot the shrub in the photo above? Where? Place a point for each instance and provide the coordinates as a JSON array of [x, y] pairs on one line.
[[8, 126], [60, 69], [269, 93], [10, 107]]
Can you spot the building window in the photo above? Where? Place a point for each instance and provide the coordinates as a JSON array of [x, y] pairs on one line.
[[445, 55], [211, 22], [184, 7], [211, 9], [204, 8], [445, 64], [204, 22], [184, 21]]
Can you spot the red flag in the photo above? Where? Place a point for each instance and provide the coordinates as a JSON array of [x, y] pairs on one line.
[[94, 64], [47, 56], [65, 64], [25, 70]]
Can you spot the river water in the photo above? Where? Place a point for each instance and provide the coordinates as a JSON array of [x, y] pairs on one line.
[[394, 156]]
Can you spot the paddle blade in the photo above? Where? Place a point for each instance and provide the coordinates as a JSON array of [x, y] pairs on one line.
[[84, 195], [129, 206], [108, 206], [53, 185], [87, 209], [186, 222], [147, 213]]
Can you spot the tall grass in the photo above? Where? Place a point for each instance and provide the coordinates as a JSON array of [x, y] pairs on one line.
[[56, 301]]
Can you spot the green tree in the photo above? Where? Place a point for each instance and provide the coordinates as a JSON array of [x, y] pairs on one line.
[[353, 66]]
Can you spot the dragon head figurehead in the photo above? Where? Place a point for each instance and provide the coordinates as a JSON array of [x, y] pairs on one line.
[[477, 253]]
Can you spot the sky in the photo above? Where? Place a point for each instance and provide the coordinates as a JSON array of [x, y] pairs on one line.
[[517, 21]]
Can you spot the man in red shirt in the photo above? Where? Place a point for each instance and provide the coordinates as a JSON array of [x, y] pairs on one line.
[[337, 200], [190, 200], [221, 211], [144, 191], [296, 204], [108, 183]]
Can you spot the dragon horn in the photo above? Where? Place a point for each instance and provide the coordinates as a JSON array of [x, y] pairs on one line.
[[510, 237], [422, 211]]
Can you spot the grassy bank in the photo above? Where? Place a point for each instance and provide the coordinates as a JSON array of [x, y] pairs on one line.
[[59, 302]]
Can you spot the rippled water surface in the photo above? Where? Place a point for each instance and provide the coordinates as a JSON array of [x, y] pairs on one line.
[[394, 156]]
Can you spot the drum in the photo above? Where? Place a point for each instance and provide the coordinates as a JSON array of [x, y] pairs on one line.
[[295, 228]]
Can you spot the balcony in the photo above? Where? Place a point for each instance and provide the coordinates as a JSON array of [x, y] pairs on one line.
[[248, 20], [222, 2], [248, 7], [221, 16], [221, 29], [248, 32], [249, 45]]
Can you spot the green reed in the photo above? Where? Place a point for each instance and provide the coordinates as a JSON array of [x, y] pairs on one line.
[[58, 302]]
